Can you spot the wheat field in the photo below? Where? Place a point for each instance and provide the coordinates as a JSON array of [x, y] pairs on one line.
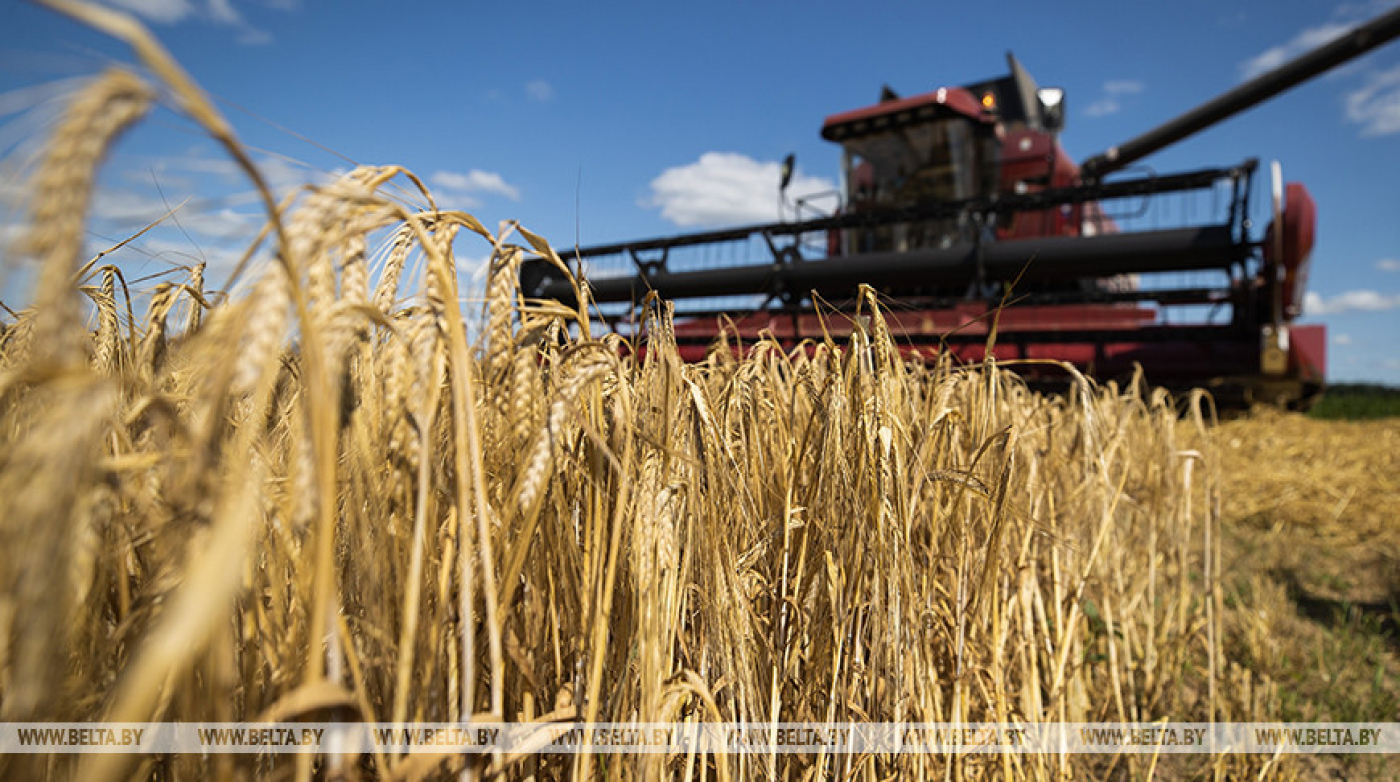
[[319, 495]]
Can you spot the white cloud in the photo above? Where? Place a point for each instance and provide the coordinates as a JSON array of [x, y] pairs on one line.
[[1388, 264], [223, 11], [725, 188], [220, 11], [1103, 107], [1351, 301], [206, 173], [476, 181], [1113, 91], [1308, 39], [14, 190], [10, 233], [539, 90], [282, 174], [214, 199], [1341, 339], [219, 259], [159, 11], [220, 223], [130, 210], [252, 36], [1366, 9], [1122, 87], [126, 206], [1376, 106]]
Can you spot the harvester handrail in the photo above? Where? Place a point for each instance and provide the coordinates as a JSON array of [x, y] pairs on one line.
[[1002, 204]]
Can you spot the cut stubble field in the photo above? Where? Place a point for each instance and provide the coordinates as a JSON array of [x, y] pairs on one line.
[[1311, 515], [1311, 557]]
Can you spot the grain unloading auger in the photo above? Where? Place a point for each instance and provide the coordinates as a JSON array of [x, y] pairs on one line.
[[959, 201]]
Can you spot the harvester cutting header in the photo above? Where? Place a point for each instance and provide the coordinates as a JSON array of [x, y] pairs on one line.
[[960, 201]]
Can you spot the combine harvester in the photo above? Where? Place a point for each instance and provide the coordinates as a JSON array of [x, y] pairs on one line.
[[963, 211]]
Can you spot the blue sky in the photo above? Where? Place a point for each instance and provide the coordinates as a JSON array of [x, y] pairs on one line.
[[598, 122]]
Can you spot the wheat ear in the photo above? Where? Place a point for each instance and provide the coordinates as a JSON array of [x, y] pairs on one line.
[[62, 190]]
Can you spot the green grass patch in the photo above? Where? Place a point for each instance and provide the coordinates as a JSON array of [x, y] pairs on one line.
[[1357, 401]]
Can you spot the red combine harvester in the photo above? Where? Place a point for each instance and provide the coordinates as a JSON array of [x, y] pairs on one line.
[[962, 209]]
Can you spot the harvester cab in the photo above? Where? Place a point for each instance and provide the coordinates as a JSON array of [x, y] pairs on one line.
[[961, 207], [953, 144]]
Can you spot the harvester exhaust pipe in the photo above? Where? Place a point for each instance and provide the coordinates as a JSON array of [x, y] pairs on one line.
[[1352, 44]]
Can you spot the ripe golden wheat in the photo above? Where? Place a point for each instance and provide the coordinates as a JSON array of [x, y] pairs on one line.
[[319, 500]]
